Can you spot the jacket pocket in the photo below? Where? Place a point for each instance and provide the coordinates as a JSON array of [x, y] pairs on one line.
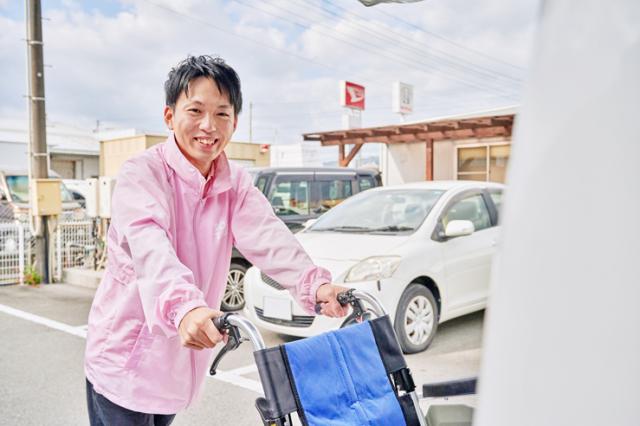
[[139, 347]]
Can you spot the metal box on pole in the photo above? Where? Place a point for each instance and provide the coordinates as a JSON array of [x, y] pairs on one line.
[[92, 198], [106, 184], [45, 197]]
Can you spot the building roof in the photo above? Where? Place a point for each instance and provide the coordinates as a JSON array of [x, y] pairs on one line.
[[488, 123], [61, 138]]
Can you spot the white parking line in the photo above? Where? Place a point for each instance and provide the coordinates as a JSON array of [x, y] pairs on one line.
[[233, 376], [244, 370], [76, 331], [236, 379]]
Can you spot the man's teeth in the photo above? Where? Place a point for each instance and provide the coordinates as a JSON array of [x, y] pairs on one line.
[[205, 141]]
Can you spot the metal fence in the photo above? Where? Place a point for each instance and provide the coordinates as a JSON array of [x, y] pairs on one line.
[[73, 245], [15, 250]]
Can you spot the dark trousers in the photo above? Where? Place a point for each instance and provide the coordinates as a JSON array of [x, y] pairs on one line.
[[103, 412]]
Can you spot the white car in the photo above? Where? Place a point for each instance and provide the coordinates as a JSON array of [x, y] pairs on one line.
[[424, 249]]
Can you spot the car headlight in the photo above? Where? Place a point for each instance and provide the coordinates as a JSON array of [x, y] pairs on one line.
[[373, 268]]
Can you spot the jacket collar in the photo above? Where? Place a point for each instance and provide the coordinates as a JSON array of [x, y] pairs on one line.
[[220, 172]]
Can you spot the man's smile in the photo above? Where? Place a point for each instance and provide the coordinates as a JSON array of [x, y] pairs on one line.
[[208, 141]]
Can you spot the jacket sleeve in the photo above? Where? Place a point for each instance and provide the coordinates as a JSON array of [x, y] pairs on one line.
[[267, 242], [141, 212]]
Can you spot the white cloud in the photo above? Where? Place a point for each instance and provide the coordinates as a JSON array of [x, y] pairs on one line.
[[112, 66]]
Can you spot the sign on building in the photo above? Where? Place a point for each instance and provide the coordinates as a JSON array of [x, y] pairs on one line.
[[351, 95], [402, 98]]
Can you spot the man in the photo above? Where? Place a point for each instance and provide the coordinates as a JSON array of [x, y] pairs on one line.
[[178, 209]]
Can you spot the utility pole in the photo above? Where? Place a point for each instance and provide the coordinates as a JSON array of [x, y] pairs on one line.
[[38, 161]]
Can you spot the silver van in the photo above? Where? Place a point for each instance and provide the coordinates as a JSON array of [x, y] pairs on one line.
[[297, 194]]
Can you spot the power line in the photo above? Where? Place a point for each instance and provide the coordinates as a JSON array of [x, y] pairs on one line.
[[448, 57], [447, 40], [397, 58], [282, 51], [251, 40], [228, 32]]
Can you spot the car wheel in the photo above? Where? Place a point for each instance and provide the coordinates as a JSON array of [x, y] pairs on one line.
[[416, 318], [233, 298]]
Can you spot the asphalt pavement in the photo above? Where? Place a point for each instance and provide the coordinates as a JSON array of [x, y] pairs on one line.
[[41, 355]]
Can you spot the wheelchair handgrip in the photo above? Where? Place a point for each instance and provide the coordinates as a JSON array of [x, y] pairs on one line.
[[344, 299], [219, 322]]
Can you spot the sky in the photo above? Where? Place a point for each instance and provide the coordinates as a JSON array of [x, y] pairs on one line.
[[107, 60]]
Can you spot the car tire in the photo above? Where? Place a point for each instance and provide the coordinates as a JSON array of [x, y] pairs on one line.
[[416, 319], [233, 299]]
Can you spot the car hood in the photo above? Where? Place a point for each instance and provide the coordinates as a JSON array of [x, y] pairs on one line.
[[338, 251]]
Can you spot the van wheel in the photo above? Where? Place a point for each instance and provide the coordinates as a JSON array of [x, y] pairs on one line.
[[233, 299], [416, 319]]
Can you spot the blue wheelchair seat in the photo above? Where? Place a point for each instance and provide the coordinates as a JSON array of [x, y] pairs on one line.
[[346, 377]]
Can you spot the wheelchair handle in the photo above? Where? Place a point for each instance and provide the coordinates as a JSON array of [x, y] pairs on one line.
[[231, 324], [355, 298]]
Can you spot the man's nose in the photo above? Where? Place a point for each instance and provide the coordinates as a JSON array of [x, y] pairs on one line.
[[207, 123]]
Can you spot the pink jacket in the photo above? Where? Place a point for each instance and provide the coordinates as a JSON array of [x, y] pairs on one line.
[[169, 249]]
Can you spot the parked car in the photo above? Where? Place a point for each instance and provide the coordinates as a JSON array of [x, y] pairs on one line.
[[14, 197], [424, 249], [78, 189], [297, 196]]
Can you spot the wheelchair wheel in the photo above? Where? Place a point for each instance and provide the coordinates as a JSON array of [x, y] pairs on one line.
[[416, 318]]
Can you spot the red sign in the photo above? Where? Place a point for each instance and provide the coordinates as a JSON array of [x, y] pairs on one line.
[[351, 95]]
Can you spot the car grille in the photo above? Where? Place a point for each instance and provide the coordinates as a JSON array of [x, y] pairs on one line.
[[301, 321], [270, 281]]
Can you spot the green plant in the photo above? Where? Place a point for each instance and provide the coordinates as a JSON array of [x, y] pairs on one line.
[[31, 276]]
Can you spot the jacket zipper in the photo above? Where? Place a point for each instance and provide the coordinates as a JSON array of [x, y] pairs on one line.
[[193, 361]]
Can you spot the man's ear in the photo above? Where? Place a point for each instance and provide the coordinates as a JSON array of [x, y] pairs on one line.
[[168, 117], [235, 122]]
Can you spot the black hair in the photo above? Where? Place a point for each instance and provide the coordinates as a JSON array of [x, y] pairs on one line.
[[193, 67]]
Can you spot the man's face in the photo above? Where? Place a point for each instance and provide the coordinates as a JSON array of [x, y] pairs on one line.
[[203, 122]]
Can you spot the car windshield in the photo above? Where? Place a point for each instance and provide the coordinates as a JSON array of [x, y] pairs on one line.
[[387, 211], [19, 188]]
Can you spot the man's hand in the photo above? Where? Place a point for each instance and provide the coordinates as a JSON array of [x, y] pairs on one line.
[[327, 297], [197, 331]]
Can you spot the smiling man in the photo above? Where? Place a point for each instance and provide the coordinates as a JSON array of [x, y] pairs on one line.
[[178, 209]]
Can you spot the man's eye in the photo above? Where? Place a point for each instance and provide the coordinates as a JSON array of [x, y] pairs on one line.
[[194, 110], [223, 114]]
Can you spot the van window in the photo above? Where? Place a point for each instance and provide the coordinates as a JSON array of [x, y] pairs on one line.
[[261, 184], [331, 193], [290, 196], [366, 182]]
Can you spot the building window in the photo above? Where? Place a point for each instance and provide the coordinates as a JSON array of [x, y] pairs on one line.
[[483, 163]]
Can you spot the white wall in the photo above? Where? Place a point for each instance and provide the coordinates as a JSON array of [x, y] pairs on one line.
[[561, 344], [443, 160], [13, 156], [90, 168], [296, 155], [403, 162]]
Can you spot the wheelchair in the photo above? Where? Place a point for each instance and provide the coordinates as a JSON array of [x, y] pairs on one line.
[[356, 375]]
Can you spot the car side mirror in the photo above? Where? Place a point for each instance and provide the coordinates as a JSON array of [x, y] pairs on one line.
[[459, 228]]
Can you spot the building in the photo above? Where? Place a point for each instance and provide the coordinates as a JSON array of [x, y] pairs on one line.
[[114, 152], [297, 155], [73, 152], [470, 146]]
